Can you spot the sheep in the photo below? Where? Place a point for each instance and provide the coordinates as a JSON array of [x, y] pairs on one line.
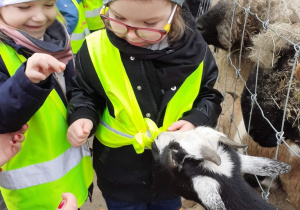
[[206, 168], [215, 24], [276, 61]]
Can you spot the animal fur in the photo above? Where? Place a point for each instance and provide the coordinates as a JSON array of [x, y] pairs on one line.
[[216, 23], [206, 168]]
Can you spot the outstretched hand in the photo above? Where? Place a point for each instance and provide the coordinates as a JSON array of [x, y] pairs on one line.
[[79, 132], [11, 144], [181, 125], [40, 66]]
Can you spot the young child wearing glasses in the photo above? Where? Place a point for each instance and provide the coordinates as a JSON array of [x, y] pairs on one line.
[[149, 71]]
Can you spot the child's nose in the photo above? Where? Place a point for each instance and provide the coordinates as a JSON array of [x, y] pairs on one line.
[[131, 34], [39, 15]]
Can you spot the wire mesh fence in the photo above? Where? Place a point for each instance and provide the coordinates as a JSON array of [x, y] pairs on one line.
[[270, 55]]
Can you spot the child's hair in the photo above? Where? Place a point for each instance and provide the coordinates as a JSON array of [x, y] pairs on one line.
[[177, 27]]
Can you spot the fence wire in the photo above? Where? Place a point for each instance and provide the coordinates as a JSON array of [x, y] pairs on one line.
[[254, 103]]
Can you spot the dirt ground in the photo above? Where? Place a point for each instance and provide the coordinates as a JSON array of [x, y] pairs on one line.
[[277, 197], [98, 202]]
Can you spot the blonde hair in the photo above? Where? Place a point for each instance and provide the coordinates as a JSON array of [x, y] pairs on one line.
[[178, 27]]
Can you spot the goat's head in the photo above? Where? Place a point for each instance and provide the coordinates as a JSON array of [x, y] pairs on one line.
[[193, 153], [205, 167], [200, 145]]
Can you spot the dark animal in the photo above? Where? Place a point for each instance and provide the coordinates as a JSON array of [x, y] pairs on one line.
[[205, 167]]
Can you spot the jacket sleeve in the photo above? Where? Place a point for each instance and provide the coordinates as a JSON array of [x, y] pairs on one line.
[[70, 13], [207, 106], [20, 99], [84, 98]]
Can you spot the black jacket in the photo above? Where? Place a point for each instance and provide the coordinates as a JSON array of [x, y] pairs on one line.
[[123, 174]]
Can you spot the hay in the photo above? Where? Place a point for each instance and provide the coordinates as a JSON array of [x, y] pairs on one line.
[[274, 44], [276, 87]]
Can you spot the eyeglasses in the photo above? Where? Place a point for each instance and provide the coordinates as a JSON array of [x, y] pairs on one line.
[[146, 34]]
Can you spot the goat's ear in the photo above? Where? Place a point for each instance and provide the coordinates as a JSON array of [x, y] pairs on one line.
[[231, 143], [211, 155]]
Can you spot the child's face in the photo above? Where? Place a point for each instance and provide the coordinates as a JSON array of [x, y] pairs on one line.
[[137, 13], [32, 17]]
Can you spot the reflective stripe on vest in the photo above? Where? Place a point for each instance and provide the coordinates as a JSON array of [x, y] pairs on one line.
[[129, 127], [92, 13], [52, 170], [81, 30], [47, 162]]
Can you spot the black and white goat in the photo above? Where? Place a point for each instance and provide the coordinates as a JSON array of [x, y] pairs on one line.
[[205, 167]]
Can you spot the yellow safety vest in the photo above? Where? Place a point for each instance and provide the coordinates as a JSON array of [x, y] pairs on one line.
[[129, 127], [47, 165], [92, 14], [81, 30]]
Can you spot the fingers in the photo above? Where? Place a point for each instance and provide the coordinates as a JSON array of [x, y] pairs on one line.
[[49, 64], [87, 127], [19, 135], [69, 202], [40, 66], [79, 131], [176, 125], [24, 128], [18, 138], [182, 126], [16, 145]]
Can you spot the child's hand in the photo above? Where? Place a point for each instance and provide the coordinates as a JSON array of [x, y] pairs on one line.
[[40, 66], [69, 202], [79, 131], [11, 144], [181, 126]]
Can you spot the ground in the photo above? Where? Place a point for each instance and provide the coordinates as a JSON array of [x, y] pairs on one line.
[[99, 203]]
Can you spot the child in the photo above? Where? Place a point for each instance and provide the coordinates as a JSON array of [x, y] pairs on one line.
[[35, 66], [141, 78], [73, 12]]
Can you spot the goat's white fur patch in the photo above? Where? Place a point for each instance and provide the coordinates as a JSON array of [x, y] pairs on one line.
[[226, 166], [262, 166], [208, 192], [192, 142]]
